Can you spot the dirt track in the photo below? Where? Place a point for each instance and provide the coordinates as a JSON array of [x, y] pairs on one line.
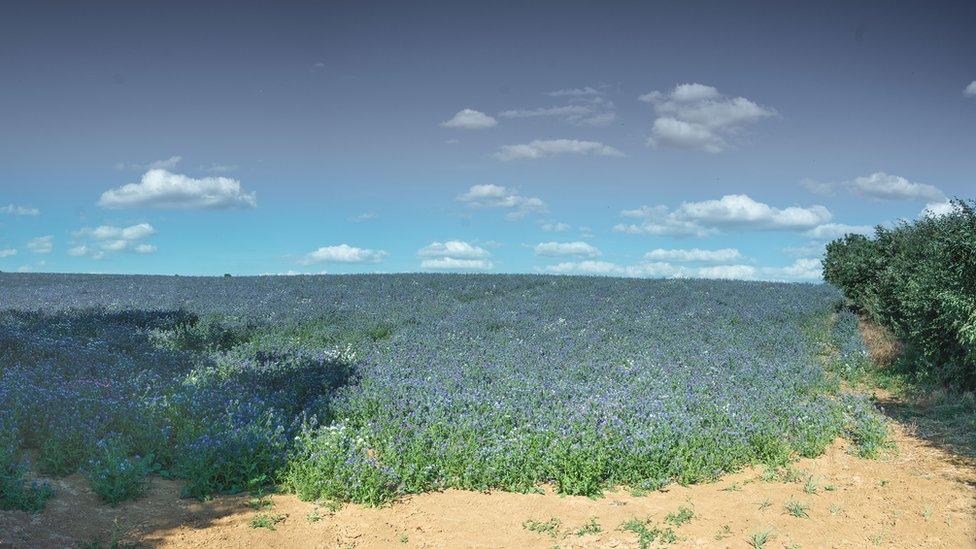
[[924, 495]]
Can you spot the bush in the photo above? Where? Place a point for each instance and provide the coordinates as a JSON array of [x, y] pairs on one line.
[[114, 475], [919, 280]]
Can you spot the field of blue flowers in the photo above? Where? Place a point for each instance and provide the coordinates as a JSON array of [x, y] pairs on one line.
[[365, 388]]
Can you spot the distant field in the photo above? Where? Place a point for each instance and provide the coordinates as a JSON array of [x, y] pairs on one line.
[[367, 388]]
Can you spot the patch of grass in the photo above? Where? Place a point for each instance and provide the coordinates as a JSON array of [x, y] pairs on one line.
[[314, 516], [551, 527], [260, 503], [759, 539], [648, 533], [404, 539], [734, 487], [811, 486], [835, 509], [591, 527], [724, 532], [267, 521], [765, 504], [797, 509], [680, 517]]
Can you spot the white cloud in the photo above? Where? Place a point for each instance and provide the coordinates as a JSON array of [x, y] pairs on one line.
[[892, 187], [343, 253], [7, 252], [596, 112], [575, 92], [693, 255], [563, 249], [698, 117], [41, 244], [551, 147], [455, 264], [736, 211], [470, 119], [606, 268], [161, 189], [497, 196], [970, 90], [362, 218], [879, 185], [936, 209], [453, 248], [555, 227], [804, 269], [97, 242], [830, 231], [19, 210]]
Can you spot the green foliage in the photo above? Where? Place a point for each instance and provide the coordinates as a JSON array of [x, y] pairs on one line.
[[919, 280], [648, 533], [680, 517], [551, 527], [267, 521], [114, 475]]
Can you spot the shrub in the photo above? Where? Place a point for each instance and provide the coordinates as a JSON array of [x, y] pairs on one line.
[[114, 475], [919, 280]]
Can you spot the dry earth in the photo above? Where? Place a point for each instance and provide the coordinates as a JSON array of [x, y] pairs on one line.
[[921, 495]]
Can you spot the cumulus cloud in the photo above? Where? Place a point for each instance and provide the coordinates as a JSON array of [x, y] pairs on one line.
[[564, 249], [453, 248], [162, 189], [454, 255], [881, 186], [551, 147], [698, 117], [456, 264], [7, 252], [804, 269], [731, 272], [343, 253], [555, 227], [892, 187], [97, 242], [735, 211], [936, 209], [970, 90], [830, 231], [693, 255], [41, 244], [497, 196], [13, 209], [470, 119]]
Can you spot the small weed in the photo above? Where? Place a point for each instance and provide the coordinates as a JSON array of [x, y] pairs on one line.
[[648, 535], [835, 509], [734, 487], [724, 532], [797, 509], [810, 487], [829, 487], [927, 512], [882, 483], [314, 516], [765, 504], [267, 521], [404, 539], [591, 527], [680, 517], [551, 527], [759, 539]]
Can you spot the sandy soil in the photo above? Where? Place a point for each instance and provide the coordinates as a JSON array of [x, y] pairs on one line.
[[922, 495]]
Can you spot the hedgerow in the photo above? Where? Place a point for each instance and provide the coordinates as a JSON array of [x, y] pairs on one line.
[[919, 280]]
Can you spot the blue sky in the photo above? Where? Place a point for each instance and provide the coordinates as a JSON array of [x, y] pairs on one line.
[[633, 139]]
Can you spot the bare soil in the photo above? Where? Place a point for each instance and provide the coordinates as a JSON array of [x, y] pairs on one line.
[[921, 495]]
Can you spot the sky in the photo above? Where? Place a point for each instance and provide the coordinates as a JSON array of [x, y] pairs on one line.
[[666, 139]]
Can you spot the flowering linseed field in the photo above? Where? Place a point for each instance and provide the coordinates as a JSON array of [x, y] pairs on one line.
[[370, 390]]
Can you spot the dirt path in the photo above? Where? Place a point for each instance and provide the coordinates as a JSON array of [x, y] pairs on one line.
[[921, 496]]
